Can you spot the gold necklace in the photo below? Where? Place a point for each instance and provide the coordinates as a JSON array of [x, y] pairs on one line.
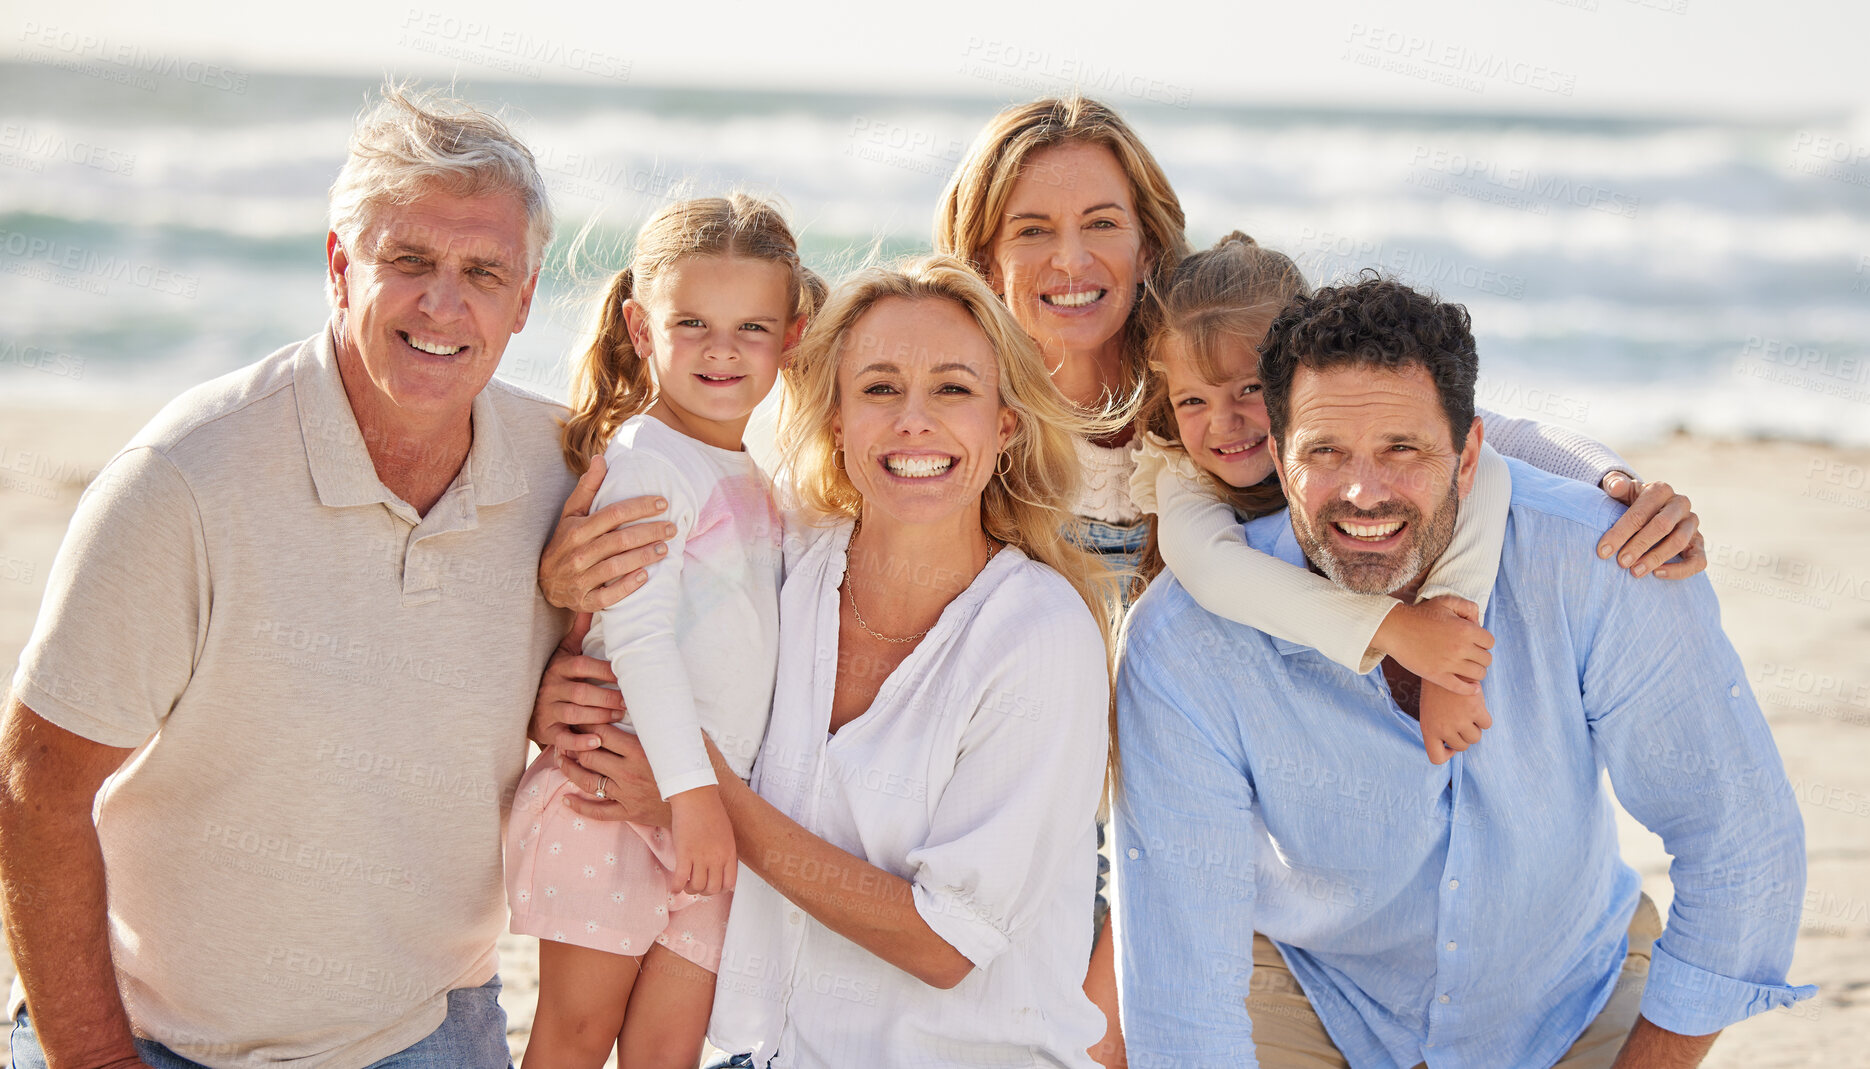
[[850, 594]]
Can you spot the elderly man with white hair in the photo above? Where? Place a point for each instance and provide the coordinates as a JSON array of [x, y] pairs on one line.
[[288, 653]]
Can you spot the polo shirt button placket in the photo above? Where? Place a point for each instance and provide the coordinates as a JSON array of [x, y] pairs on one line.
[[420, 582]]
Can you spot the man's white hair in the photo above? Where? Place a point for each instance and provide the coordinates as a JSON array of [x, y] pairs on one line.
[[414, 142]]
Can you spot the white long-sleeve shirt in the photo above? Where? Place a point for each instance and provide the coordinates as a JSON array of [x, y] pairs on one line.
[[1201, 541], [975, 776], [695, 647]]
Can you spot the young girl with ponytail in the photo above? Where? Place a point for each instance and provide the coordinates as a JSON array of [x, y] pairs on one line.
[[689, 339]]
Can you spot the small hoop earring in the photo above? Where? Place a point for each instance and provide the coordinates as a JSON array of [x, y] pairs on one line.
[[1001, 469], [837, 458]]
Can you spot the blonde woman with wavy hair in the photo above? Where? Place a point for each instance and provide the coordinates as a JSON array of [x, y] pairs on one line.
[[918, 834], [1034, 169], [1026, 504]]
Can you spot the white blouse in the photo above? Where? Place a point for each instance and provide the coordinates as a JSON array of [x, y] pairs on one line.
[[975, 775]]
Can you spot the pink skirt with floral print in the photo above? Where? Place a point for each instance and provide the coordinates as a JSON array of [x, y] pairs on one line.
[[600, 884]]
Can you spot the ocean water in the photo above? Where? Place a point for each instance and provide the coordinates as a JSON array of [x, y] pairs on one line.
[[1626, 277]]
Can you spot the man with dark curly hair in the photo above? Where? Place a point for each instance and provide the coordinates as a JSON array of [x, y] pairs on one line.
[[1300, 887]]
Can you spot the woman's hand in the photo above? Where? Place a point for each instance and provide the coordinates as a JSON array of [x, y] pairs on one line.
[[571, 694], [593, 561], [621, 768], [1440, 640], [1658, 526]]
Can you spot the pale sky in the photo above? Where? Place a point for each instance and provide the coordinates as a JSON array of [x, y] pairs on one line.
[[1726, 57]]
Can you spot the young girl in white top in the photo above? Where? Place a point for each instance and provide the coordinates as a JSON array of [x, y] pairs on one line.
[[1205, 462], [690, 339]]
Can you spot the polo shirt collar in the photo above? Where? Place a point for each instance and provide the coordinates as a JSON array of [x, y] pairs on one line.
[[342, 470]]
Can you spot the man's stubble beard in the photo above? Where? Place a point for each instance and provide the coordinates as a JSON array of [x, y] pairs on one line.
[[1374, 573]]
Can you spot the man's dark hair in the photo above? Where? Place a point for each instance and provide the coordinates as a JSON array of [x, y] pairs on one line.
[[1374, 322]]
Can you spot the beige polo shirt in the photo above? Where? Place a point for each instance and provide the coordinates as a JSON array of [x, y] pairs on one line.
[[329, 696]]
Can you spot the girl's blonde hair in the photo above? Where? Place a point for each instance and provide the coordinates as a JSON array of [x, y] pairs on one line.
[[1028, 506], [1231, 292], [611, 381], [968, 220]]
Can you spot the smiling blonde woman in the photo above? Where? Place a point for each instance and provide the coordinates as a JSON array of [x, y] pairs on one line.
[[918, 833]]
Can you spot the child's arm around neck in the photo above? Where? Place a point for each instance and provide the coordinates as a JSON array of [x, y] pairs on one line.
[[1202, 543]]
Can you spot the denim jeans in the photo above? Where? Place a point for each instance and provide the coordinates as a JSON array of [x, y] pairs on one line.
[[472, 1036], [1121, 547]]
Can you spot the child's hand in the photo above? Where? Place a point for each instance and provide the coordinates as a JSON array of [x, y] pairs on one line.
[[1450, 722], [1441, 641], [705, 862]]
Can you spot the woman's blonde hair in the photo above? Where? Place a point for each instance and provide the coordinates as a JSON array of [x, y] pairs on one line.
[[1028, 505], [611, 381], [1231, 292], [968, 220]]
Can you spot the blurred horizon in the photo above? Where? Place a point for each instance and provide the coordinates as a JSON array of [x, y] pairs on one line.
[[1631, 270], [1671, 58]]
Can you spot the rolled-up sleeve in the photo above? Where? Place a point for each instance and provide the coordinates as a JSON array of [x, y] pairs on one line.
[[1691, 757], [1023, 796], [1185, 879], [1693, 1001]]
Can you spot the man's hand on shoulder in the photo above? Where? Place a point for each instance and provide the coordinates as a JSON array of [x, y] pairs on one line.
[[595, 559]]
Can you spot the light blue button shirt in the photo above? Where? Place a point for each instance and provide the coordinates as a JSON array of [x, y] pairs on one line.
[[1467, 914]]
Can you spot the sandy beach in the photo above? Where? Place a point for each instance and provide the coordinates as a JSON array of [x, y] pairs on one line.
[[1788, 528]]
